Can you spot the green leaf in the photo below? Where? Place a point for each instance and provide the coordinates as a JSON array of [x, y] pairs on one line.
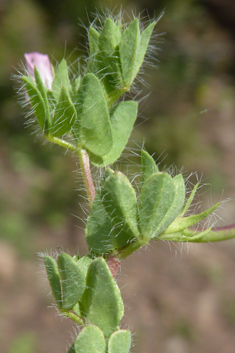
[[43, 92], [184, 222], [157, 196], [120, 342], [119, 200], [99, 226], [176, 206], [37, 102], [109, 40], [144, 41], [76, 84], [54, 279], [92, 128], [72, 280], [101, 302], [148, 166], [128, 48], [61, 79], [189, 200], [93, 62], [90, 340], [84, 262], [122, 120], [64, 116], [51, 100]]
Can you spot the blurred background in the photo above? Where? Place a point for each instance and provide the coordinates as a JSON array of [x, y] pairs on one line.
[[179, 298]]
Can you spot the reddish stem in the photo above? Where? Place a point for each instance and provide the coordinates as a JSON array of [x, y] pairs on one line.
[[113, 264], [230, 226], [85, 165]]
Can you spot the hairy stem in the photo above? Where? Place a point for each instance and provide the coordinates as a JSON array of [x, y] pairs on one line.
[[61, 142], [113, 264], [72, 316], [86, 172]]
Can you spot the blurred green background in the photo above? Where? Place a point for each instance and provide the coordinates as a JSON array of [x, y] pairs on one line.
[[175, 304]]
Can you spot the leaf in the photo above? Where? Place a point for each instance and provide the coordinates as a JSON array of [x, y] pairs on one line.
[[76, 84], [43, 92], [120, 342], [109, 40], [184, 222], [157, 196], [92, 128], [119, 200], [64, 116], [176, 206], [128, 49], [101, 302], [144, 41], [89, 340], [122, 120], [61, 79], [37, 102], [99, 226], [148, 166], [190, 199], [54, 279], [72, 281], [84, 262], [93, 63]]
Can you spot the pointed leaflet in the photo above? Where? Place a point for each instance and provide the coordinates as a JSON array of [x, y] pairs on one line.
[[128, 49], [122, 121], [184, 222], [93, 63], [64, 116], [110, 37], [101, 303], [148, 166], [120, 342], [72, 280], [99, 226], [89, 340], [176, 206], [92, 128], [37, 102], [109, 40], [54, 279], [61, 79], [43, 92], [75, 85], [144, 41], [189, 200], [157, 196], [84, 262], [119, 200]]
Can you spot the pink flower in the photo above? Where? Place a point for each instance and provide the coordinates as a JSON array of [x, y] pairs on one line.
[[42, 62]]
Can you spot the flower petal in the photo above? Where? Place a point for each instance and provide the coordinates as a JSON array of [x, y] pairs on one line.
[[42, 62]]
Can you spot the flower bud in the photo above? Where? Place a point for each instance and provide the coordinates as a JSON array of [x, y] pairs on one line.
[[42, 62]]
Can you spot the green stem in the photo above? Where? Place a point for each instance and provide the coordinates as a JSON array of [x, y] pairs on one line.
[[72, 316], [130, 249], [61, 142], [214, 234], [86, 172]]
